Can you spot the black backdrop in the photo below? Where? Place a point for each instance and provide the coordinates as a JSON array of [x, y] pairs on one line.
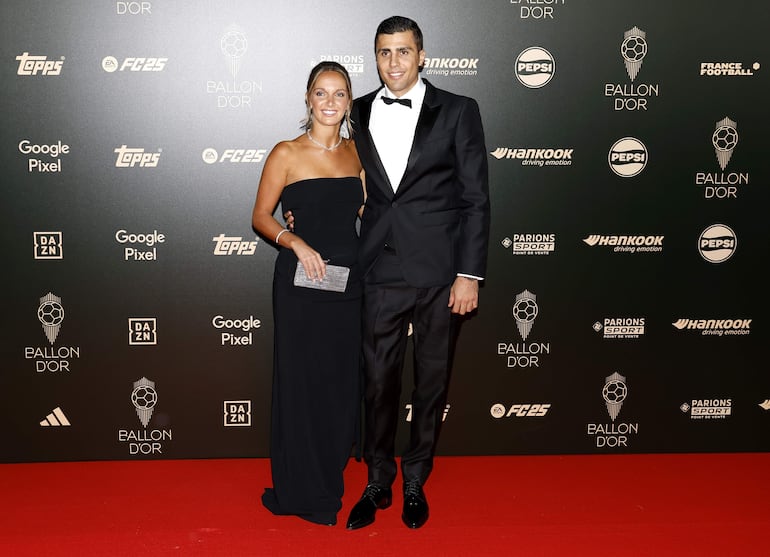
[[625, 303]]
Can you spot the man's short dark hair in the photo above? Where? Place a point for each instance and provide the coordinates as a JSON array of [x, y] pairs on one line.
[[399, 24]]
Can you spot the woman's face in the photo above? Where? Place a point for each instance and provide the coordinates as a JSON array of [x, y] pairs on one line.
[[329, 99]]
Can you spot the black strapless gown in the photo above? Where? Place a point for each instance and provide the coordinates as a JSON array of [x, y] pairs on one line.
[[316, 369]]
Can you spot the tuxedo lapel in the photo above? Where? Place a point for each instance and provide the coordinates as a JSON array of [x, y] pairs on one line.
[[428, 115], [367, 143]]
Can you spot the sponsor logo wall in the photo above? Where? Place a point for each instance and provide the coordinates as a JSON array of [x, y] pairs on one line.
[[625, 306]]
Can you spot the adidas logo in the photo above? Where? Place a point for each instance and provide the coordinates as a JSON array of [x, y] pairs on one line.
[[55, 419]]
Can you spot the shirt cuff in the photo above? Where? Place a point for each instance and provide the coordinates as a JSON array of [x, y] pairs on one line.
[[470, 276]]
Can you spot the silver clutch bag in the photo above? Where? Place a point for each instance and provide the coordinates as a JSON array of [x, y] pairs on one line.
[[336, 279]]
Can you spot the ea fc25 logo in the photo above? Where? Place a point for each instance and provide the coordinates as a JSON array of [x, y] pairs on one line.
[[211, 156], [110, 64], [499, 410], [627, 157], [717, 243], [535, 67]]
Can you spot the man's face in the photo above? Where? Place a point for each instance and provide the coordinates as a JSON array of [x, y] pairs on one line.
[[398, 61]]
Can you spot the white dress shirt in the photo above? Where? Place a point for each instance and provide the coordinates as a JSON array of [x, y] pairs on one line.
[[392, 128]]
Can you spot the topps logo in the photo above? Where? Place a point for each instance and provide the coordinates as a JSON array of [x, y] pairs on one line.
[[38, 65], [229, 245], [130, 157]]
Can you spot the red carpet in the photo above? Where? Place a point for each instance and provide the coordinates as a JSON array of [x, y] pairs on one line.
[[694, 504]]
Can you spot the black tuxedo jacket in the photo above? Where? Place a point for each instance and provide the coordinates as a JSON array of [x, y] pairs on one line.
[[438, 219]]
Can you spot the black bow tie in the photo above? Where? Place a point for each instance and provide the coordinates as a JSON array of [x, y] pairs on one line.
[[406, 102]]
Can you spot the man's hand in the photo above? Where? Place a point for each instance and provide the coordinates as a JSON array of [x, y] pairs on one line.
[[464, 295], [289, 218]]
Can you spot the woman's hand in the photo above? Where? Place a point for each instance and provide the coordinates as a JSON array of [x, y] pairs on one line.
[[311, 260]]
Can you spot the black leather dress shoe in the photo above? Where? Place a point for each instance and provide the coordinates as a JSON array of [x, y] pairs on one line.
[[415, 505], [374, 497]]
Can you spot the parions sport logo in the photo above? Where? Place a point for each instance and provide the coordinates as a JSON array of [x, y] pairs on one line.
[[353, 63], [632, 96], [708, 409], [535, 67], [620, 327], [627, 157], [723, 185], [530, 244], [717, 243]]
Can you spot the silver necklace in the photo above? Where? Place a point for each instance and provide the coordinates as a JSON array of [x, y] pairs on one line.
[[310, 137]]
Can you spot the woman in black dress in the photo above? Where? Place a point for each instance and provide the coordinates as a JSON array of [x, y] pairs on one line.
[[316, 378]]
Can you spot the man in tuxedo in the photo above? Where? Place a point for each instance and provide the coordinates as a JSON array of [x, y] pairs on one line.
[[424, 236]]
